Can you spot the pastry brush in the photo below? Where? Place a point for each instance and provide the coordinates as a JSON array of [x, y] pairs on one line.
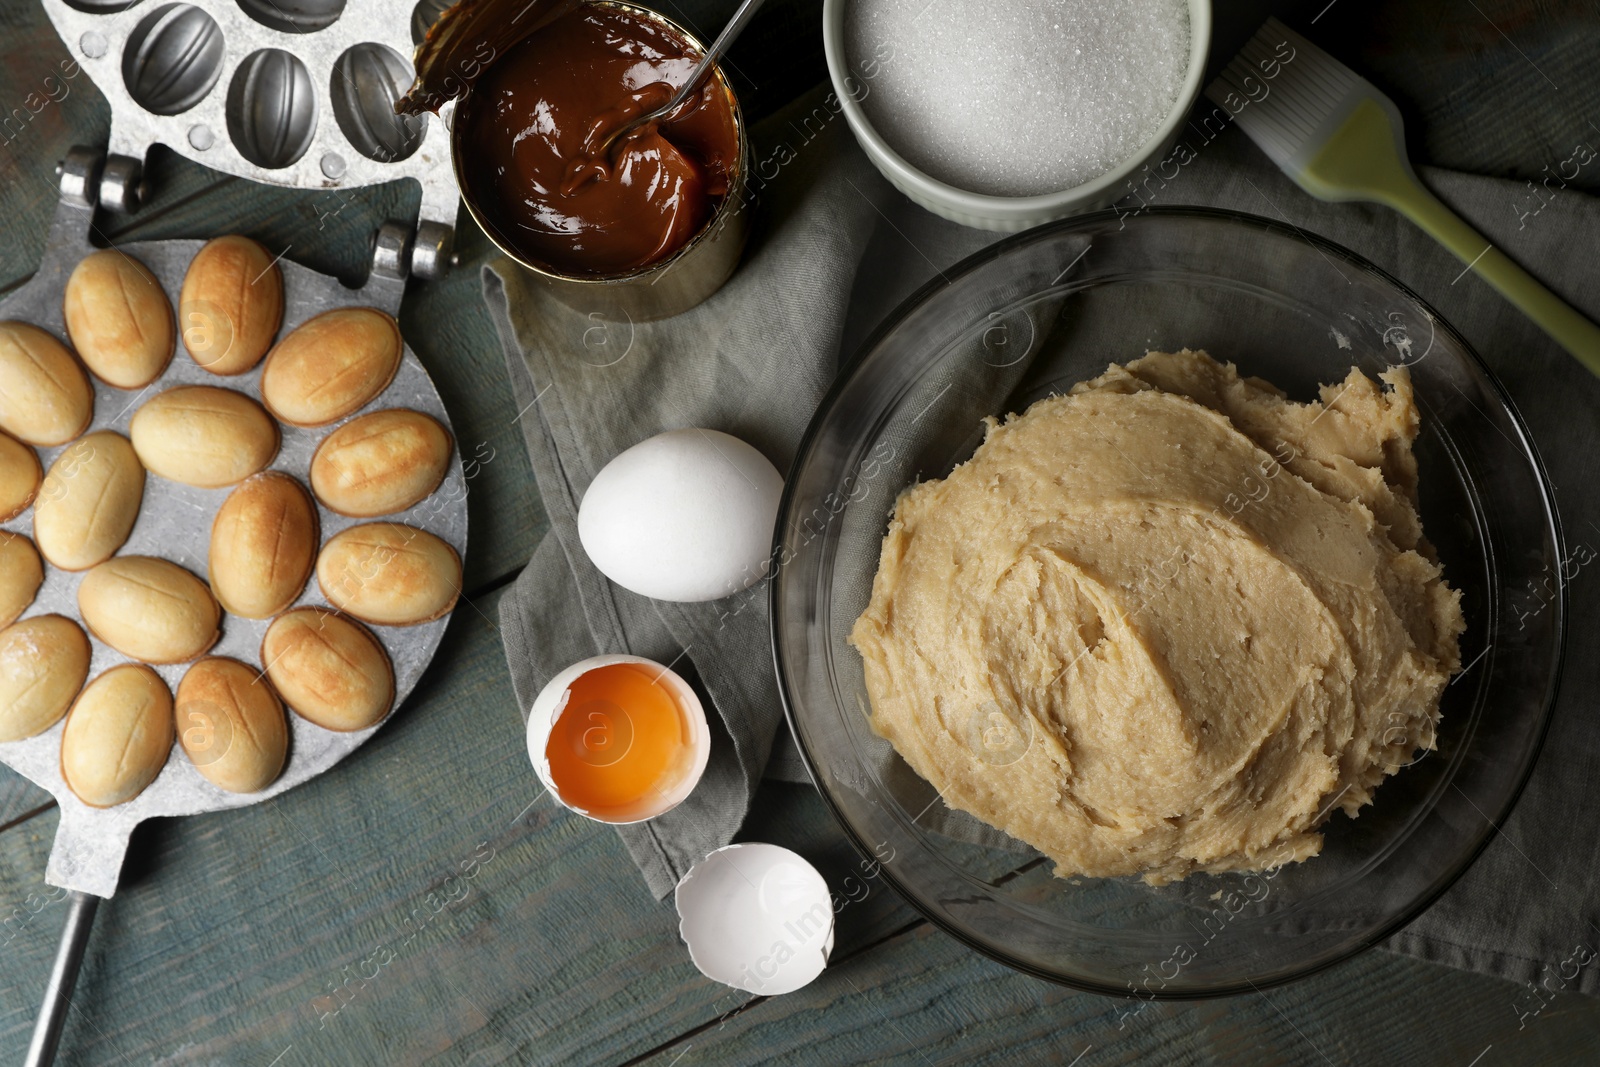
[[1339, 138]]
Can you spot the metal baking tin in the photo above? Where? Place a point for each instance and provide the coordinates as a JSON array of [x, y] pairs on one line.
[[175, 523], [295, 93]]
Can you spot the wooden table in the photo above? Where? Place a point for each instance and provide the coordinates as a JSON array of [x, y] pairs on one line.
[[423, 903]]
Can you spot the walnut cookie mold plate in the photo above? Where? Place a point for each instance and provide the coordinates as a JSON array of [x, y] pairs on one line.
[[298, 94], [174, 523]]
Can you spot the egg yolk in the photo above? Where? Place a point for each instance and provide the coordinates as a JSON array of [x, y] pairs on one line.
[[621, 743]]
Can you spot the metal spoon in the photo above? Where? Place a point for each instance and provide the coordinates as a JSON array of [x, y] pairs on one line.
[[741, 19]]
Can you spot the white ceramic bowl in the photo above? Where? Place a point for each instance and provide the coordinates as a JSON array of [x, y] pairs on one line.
[[1008, 213]]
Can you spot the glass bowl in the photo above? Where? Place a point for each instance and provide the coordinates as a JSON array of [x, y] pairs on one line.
[[1037, 313]]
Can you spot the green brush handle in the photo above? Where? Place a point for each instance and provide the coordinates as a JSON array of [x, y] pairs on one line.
[[1549, 312], [1362, 160]]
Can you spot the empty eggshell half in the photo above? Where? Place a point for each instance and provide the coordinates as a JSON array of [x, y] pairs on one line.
[[756, 917], [552, 701], [687, 515], [118, 318]]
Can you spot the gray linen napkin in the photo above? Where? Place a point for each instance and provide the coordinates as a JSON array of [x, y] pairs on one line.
[[753, 361], [836, 249]]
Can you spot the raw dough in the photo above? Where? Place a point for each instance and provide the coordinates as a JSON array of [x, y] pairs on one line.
[[1168, 622]]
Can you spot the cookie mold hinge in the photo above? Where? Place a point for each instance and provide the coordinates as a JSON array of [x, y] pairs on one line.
[[426, 251]]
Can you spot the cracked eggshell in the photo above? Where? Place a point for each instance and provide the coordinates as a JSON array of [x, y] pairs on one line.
[[756, 917], [552, 700], [684, 516]]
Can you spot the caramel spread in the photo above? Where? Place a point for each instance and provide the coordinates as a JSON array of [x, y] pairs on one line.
[[533, 122], [1168, 622]]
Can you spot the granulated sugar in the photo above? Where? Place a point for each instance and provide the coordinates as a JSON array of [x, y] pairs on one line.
[[1017, 97]]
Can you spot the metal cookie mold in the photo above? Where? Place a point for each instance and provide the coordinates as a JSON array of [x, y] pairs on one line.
[[172, 59], [367, 80], [174, 523], [174, 519], [297, 93], [272, 109], [295, 16]]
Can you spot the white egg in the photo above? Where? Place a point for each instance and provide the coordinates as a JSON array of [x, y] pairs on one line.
[[686, 515], [757, 917]]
